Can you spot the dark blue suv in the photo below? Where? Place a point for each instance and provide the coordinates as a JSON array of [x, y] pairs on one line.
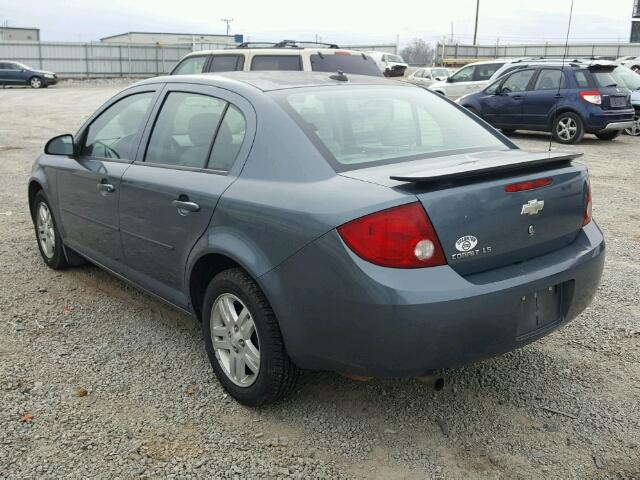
[[567, 100]]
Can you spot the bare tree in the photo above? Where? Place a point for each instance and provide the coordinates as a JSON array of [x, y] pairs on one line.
[[418, 52]]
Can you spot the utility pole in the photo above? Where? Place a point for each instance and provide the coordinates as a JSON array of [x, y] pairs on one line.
[[228, 22], [475, 30]]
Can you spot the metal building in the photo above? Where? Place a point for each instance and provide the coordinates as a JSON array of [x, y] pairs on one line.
[[166, 38], [635, 22], [16, 34]]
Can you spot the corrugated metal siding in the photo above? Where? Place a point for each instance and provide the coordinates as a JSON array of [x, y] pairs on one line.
[[537, 50], [95, 59]]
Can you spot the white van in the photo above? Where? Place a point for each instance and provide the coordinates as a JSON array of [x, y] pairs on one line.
[[390, 64], [285, 55]]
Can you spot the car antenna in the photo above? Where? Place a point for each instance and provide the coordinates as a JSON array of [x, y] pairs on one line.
[[564, 57], [340, 76]]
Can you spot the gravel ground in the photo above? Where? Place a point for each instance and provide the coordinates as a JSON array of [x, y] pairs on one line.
[[100, 380]]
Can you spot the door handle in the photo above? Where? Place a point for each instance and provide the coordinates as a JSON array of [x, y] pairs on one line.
[[186, 205], [106, 188], [558, 96], [517, 97]]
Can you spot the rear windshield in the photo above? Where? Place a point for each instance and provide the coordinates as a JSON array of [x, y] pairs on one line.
[[617, 77], [357, 64], [361, 126]]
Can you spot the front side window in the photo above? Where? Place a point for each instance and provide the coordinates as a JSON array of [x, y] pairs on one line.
[[184, 130], [549, 80], [463, 75], [486, 71], [366, 126], [517, 82], [276, 62], [191, 65], [112, 135], [226, 63]]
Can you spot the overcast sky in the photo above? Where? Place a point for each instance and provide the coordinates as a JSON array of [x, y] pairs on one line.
[[335, 21]]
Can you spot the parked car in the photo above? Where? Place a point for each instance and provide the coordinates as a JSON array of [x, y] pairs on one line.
[[476, 76], [15, 73], [390, 64], [424, 77], [312, 221], [285, 55], [568, 101], [631, 62]]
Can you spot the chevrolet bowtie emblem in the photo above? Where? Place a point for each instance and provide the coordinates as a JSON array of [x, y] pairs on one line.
[[532, 207]]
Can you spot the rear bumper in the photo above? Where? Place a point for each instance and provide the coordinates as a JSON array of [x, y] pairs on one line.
[[617, 126], [338, 312]]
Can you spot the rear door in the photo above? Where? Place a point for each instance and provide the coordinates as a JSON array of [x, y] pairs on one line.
[[189, 156], [549, 90], [89, 186]]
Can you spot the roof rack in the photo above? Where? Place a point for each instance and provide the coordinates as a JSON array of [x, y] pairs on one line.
[[285, 44]]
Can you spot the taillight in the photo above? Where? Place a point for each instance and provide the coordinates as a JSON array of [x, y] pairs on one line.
[[400, 237], [591, 96], [530, 185], [587, 205]]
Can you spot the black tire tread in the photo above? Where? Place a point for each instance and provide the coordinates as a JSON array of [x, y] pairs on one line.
[[285, 372], [59, 260]]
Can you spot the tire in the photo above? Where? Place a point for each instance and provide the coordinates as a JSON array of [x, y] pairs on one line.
[[35, 82], [635, 130], [276, 374], [608, 135], [47, 234], [568, 128]]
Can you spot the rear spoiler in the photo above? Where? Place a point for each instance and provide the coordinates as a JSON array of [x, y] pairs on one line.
[[475, 166]]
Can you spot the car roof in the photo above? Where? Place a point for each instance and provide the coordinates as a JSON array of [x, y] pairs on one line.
[[274, 80], [272, 51]]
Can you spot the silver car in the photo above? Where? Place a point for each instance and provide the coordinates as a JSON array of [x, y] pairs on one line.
[[424, 77]]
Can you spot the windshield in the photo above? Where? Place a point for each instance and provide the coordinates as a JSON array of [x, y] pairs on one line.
[[620, 77], [394, 58], [357, 64], [360, 126]]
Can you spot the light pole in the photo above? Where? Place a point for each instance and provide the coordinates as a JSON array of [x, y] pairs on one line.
[[228, 22], [475, 30]]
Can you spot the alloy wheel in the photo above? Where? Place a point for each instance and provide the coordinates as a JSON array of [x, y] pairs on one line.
[[46, 232], [36, 82], [634, 130], [566, 128], [235, 339]]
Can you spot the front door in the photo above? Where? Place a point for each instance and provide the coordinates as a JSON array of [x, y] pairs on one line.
[[89, 185], [169, 193], [510, 97], [460, 83]]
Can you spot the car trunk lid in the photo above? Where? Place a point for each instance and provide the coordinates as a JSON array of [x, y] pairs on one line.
[[480, 224]]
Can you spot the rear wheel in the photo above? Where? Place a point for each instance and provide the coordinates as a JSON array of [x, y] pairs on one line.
[[608, 135], [243, 341], [35, 82], [47, 234], [568, 128], [634, 130]]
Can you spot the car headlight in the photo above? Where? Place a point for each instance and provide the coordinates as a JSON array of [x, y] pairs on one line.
[[49, 75]]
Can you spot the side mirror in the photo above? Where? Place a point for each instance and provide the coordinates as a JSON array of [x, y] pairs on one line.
[[449, 80], [60, 145], [439, 79]]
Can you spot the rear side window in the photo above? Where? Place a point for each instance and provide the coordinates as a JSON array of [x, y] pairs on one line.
[[486, 71], [184, 130], [276, 62], [581, 78], [228, 140], [190, 66], [226, 63], [112, 135], [347, 63], [367, 126], [549, 80], [517, 81]]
